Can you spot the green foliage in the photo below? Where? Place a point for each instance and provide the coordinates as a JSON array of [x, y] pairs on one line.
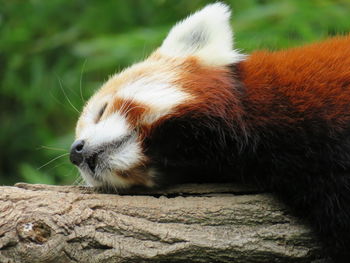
[[54, 54]]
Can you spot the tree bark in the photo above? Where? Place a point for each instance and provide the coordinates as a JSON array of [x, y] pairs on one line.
[[188, 223]]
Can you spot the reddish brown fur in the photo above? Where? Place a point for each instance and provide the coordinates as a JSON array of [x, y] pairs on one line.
[[133, 111], [212, 88], [314, 80]]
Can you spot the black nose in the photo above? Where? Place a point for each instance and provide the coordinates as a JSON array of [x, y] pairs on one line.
[[76, 152]]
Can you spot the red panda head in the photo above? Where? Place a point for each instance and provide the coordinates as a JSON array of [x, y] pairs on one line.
[[187, 75]]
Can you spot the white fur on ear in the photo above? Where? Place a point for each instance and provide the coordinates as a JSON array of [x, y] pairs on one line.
[[206, 34]]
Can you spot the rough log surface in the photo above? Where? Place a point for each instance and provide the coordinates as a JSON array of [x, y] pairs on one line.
[[188, 223]]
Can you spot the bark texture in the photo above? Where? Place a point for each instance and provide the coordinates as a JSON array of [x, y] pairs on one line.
[[188, 223]]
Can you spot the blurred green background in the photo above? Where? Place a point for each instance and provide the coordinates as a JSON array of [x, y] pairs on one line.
[[49, 49]]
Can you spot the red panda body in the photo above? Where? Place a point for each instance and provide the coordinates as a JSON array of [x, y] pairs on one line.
[[288, 130], [198, 111]]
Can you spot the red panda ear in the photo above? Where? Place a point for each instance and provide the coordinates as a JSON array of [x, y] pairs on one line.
[[206, 34]]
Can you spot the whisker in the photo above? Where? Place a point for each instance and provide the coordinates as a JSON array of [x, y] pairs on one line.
[[135, 107], [51, 148], [144, 55], [58, 165], [71, 171], [78, 180], [121, 109], [65, 94], [80, 83], [125, 104], [54, 159], [57, 100]]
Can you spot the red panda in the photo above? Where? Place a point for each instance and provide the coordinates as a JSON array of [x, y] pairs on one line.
[[197, 110]]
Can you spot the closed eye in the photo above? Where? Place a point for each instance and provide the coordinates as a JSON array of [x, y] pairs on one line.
[[100, 113]]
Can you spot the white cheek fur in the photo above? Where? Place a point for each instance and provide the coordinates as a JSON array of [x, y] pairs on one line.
[[128, 156], [113, 127]]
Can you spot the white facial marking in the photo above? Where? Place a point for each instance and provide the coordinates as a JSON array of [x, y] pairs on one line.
[[206, 34], [113, 127], [155, 92]]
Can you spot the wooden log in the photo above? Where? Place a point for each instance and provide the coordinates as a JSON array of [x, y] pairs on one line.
[[187, 223]]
